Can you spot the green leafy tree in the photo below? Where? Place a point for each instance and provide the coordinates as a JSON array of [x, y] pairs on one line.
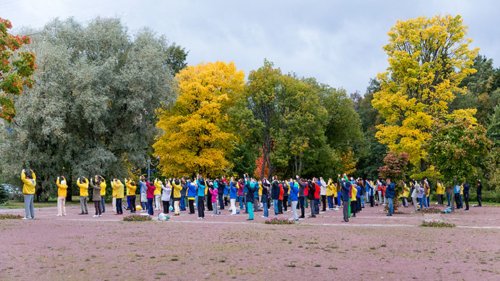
[[92, 109], [493, 159], [459, 149], [483, 90]]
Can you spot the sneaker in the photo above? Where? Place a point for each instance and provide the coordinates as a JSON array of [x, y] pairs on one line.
[[94, 216], [59, 215], [25, 218], [100, 215]]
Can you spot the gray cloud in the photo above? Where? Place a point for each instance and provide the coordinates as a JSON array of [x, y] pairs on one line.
[[338, 42]]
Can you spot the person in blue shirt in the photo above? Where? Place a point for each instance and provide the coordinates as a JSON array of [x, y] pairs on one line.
[[294, 197], [251, 186], [390, 193], [143, 189], [344, 191], [233, 195], [191, 194], [466, 195], [201, 184]]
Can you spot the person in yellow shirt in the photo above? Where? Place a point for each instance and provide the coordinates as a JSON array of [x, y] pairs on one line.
[[330, 187], [177, 187], [406, 194], [29, 185], [113, 194], [157, 194], [83, 185], [119, 193], [354, 203], [131, 188], [440, 192], [103, 193], [62, 188]]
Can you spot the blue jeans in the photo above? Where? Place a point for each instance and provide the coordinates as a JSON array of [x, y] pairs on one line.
[[103, 204], [183, 203], [150, 206], [275, 206], [29, 208], [391, 206], [241, 200], [266, 210], [330, 202]]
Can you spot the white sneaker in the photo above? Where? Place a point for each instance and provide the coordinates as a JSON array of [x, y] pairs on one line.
[[100, 215], [25, 218], [59, 215], [94, 216]]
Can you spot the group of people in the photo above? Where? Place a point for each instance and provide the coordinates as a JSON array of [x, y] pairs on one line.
[[183, 194]]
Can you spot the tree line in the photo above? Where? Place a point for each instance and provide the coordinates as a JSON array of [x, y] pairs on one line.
[[105, 102]]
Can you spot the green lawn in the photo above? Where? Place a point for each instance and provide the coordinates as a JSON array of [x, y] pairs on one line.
[[12, 204]]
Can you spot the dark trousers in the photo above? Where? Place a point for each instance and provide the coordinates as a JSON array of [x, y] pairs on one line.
[[97, 205], [345, 210], [466, 199], [457, 201], [323, 202], [166, 206], [313, 208], [201, 206], [119, 209], [372, 200], [128, 203], [354, 206], [182, 204], [149, 205], [131, 199], [280, 206], [209, 202], [191, 206], [221, 201], [440, 199], [316, 206], [479, 198], [285, 202], [358, 205], [302, 207]]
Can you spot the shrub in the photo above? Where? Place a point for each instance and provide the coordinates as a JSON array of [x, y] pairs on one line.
[[437, 224], [279, 221], [431, 210], [136, 218], [10, 217]]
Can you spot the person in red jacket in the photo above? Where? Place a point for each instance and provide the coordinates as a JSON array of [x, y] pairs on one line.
[[280, 199], [317, 194], [150, 195]]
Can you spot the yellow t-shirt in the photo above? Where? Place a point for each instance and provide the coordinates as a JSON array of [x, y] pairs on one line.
[[28, 184], [62, 188], [84, 187], [354, 193], [157, 187], [103, 188]]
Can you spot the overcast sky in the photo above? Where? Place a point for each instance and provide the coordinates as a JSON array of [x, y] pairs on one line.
[[337, 42]]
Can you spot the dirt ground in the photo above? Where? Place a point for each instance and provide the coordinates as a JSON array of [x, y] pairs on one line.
[[369, 247]]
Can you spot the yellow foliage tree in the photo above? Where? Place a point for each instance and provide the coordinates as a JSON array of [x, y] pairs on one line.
[[428, 58], [195, 137]]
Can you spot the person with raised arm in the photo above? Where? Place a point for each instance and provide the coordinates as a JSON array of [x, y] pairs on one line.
[[62, 188], [83, 185], [29, 186]]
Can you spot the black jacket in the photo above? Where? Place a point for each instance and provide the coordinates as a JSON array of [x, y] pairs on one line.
[[275, 190]]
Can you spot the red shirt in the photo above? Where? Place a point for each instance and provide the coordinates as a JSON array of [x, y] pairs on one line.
[[151, 190], [282, 192], [317, 190]]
